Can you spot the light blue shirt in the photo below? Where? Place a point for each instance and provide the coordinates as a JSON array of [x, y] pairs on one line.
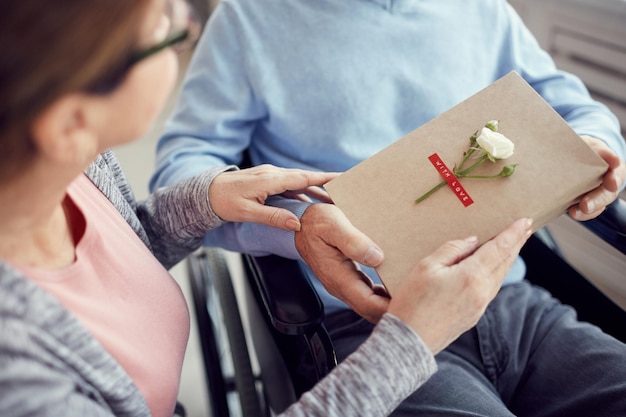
[[325, 84]]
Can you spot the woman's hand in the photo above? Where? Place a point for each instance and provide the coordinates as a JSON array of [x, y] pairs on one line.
[[594, 202], [239, 196], [445, 294], [448, 291]]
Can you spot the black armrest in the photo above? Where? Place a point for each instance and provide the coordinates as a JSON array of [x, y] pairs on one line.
[[295, 314], [611, 225], [290, 301]]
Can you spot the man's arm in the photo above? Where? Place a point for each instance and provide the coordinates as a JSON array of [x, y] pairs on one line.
[[569, 97], [564, 91], [211, 125]]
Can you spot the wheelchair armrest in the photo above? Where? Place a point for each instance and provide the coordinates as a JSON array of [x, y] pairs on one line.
[[611, 225], [291, 304]]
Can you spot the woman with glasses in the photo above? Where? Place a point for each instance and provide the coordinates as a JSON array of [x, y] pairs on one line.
[[91, 322]]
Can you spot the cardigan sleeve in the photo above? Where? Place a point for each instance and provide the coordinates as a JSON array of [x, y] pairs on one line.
[[176, 218], [390, 365]]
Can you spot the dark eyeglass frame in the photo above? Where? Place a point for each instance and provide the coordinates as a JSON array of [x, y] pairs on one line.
[[114, 78]]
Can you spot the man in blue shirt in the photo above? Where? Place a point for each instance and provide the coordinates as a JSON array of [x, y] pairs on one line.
[[325, 84]]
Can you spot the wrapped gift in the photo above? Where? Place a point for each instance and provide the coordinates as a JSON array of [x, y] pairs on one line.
[[549, 169]]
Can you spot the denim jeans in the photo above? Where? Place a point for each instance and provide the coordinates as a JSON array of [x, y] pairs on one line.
[[527, 356]]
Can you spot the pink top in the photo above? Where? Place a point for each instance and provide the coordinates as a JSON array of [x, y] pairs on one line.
[[122, 294]]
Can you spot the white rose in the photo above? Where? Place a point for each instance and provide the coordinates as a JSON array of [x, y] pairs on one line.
[[495, 144]]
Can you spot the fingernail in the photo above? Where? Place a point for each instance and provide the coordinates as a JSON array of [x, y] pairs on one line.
[[293, 225], [471, 240], [373, 257], [578, 213], [591, 206], [528, 224]]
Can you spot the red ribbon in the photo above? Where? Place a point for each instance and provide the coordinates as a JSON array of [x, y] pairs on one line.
[[451, 179]]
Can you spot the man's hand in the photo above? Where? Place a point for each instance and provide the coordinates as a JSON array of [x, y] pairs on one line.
[[330, 244], [594, 202]]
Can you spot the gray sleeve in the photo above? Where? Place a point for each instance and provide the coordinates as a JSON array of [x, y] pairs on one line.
[[43, 391], [177, 217], [374, 380], [51, 365]]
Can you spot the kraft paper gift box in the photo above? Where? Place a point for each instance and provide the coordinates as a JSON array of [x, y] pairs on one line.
[[554, 169]]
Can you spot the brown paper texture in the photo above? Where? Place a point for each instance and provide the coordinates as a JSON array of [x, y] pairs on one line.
[[555, 167]]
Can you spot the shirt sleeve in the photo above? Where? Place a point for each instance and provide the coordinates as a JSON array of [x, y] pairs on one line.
[[42, 391], [565, 92], [211, 125], [216, 110], [375, 379], [258, 239]]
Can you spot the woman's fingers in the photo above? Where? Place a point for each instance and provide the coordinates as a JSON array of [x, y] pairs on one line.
[[239, 196], [448, 291]]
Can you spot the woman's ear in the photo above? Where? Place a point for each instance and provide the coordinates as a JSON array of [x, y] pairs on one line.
[[65, 131]]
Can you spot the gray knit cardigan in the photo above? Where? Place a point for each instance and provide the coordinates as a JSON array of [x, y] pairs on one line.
[[50, 365]]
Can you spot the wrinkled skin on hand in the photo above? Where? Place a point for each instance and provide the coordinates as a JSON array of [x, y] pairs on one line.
[[444, 295], [330, 245], [593, 203]]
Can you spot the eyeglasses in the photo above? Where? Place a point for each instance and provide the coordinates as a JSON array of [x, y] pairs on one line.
[[179, 29]]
